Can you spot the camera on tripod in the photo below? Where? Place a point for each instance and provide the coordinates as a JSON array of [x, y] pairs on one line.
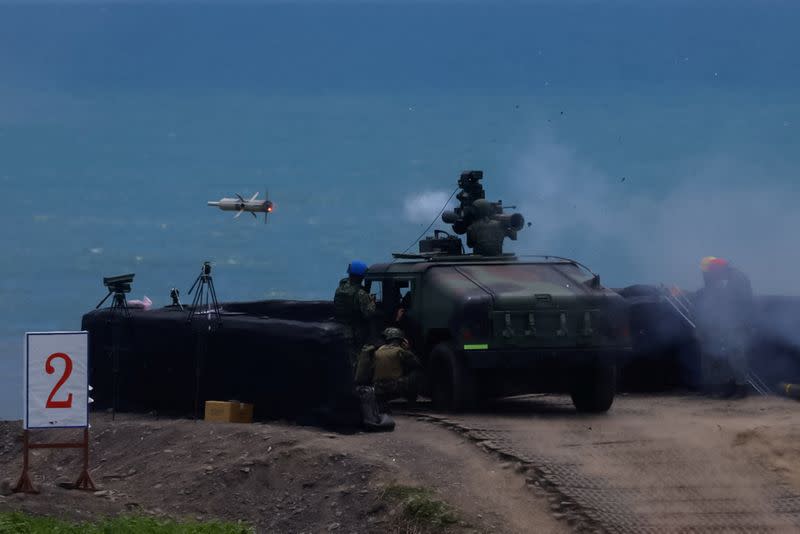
[[119, 284]]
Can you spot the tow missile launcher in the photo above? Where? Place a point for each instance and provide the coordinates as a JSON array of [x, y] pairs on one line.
[[484, 222]]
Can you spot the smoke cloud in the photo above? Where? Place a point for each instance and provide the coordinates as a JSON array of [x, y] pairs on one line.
[[422, 208], [718, 207]]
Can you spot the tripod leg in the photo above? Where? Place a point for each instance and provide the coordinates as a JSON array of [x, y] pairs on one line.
[[195, 299], [103, 301], [196, 281], [214, 297]]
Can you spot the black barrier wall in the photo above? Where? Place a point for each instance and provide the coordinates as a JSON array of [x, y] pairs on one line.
[[284, 357]]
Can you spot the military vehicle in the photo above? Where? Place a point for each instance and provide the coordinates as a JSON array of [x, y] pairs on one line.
[[492, 324]]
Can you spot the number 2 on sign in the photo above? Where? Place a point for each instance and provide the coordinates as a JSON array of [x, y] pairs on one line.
[[48, 366]]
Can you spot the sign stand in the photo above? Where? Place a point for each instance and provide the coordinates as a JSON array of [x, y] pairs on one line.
[[84, 481], [55, 395], [24, 485]]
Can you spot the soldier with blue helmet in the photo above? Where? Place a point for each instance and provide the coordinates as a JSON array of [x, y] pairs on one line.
[[354, 307]]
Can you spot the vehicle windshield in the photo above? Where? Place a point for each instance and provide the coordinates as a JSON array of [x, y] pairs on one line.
[[526, 275]]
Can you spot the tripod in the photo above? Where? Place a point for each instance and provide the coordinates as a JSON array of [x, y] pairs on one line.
[[205, 295], [119, 304], [119, 308]]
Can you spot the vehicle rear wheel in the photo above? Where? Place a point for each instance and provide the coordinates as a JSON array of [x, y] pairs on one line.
[[453, 385], [594, 388]]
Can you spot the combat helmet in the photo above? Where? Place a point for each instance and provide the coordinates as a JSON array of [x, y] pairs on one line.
[[393, 333], [357, 268]]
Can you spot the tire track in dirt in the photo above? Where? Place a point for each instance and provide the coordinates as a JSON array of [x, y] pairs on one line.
[[653, 464]]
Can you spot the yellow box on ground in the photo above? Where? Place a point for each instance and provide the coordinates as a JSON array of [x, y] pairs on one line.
[[228, 412]]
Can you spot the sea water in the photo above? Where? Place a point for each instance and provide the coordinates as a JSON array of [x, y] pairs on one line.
[[636, 137]]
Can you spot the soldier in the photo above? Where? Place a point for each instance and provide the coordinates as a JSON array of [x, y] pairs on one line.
[[485, 236], [395, 368], [725, 313], [354, 307]]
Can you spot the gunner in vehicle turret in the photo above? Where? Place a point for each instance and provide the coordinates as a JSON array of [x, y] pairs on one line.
[[485, 236], [484, 222]]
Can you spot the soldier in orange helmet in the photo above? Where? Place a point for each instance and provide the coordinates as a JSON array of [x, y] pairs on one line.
[[725, 314]]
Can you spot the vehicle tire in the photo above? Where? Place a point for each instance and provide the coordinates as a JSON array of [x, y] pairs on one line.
[[453, 385], [594, 387]]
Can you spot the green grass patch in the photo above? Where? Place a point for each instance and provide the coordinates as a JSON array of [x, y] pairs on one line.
[[419, 506], [20, 523]]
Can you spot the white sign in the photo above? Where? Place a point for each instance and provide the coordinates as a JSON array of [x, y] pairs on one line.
[[56, 391]]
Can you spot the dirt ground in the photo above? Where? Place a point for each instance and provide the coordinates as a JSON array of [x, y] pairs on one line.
[[653, 464], [278, 477]]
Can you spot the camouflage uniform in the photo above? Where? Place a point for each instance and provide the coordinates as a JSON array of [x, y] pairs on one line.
[[365, 367], [486, 236], [395, 373], [353, 308]]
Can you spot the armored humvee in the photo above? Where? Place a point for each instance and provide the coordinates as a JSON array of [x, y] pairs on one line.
[[497, 325]]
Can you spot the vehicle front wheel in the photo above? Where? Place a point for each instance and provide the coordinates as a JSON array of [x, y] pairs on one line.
[[594, 387], [452, 384]]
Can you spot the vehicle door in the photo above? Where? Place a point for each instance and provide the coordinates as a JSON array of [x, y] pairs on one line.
[[394, 303]]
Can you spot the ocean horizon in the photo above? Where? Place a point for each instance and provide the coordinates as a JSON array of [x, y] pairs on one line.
[[636, 139]]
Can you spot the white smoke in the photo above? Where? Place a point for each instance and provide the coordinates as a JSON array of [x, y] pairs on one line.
[[718, 207], [424, 207]]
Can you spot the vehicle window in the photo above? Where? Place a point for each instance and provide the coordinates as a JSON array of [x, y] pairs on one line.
[[576, 273], [521, 275], [376, 288], [407, 295]]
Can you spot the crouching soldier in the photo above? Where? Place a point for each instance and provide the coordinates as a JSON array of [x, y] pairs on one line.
[[373, 418], [395, 369]]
